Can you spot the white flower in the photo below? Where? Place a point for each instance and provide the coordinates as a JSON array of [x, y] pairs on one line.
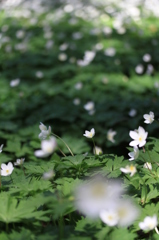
[[149, 118], [127, 212], [134, 155], [110, 52], [122, 213], [110, 135], [1, 148], [89, 106], [96, 195], [148, 165], [139, 137], [44, 132], [89, 134], [47, 147], [19, 162], [149, 223], [132, 112], [76, 101], [129, 169], [78, 85], [15, 82], [48, 175], [39, 74], [139, 69], [110, 217], [6, 170], [97, 150], [146, 57], [62, 57]]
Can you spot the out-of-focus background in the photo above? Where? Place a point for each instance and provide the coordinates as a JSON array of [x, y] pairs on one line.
[[75, 65]]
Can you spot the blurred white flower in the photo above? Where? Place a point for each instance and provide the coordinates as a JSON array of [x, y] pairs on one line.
[[149, 223], [134, 155], [63, 46], [110, 135], [107, 30], [89, 134], [88, 57], [47, 147], [15, 82], [76, 101], [77, 35], [48, 175], [110, 52], [1, 148], [39, 74], [49, 44], [97, 150], [149, 118], [109, 217], [62, 57], [94, 196], [139, 137], [146, 57], [99, 46], [20, 34], [127, 212], [139, 69], [132, 112], [149, 69], [89, 106], [68, 8], [78, 85], [44, 131], [129, 169], [6, 170], [148, 165], [19, 162]]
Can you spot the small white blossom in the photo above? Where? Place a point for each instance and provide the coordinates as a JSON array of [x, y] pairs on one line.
[[19, 162], [97, 150], [78, 85], [109, 217], [129, 169], [48, 175], [146, 57], [6, 170], [132, 112], [76, 101], [1, 148], [134, 155], [47, 147], [15, 82], [39, 74], [89, 106], [44, 132], [110, 135], [89, 134], [110, 52], [139, 137], [139, 69], [148, 165], [94, 196], [149, 118], [62, 57], [149, 223]]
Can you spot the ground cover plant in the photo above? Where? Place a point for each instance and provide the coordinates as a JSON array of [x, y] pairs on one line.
[[79, 117]]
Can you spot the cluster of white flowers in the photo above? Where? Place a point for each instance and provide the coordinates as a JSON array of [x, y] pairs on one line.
[[101, 198]]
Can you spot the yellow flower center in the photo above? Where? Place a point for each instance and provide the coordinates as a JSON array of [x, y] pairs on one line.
[[140, 139], [132, 168], [7, 171], [98, 191]]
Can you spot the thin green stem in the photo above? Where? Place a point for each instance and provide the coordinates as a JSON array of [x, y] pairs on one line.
[[94, 146], [62, 152], [64, 143]]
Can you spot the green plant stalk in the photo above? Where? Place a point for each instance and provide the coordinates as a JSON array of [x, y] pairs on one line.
[[94, 146], [64, 143]]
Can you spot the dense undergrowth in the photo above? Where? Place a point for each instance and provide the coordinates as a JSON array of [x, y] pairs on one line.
[[75, 72]]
